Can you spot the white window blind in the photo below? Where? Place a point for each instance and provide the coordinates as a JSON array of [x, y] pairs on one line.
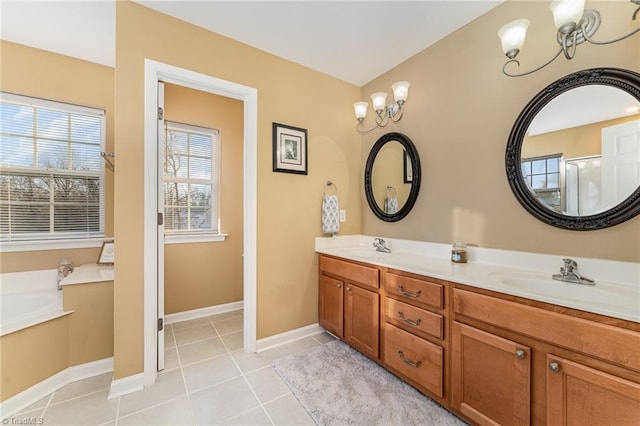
[[190, 179], [51, 172]]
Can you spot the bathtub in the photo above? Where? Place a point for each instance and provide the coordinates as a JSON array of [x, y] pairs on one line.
[[28, 298]]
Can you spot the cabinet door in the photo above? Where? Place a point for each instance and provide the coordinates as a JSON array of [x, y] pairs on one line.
[[362, 319], [418, 360], [491, 377], [580, 395], [331, 305]]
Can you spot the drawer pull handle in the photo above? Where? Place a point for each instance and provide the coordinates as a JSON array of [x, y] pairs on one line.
[[554, 366], [410, 363], [520, 354], [408, 293], [408, 321]]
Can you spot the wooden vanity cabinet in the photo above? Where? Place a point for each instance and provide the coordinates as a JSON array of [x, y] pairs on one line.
[[580, 395], [349, 303], [520, 362], [414, 344], [490, 377]]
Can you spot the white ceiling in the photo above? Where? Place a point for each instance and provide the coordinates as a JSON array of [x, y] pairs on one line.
[[355, 41]]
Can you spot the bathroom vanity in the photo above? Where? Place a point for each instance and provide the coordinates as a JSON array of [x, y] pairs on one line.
[[472, 343]]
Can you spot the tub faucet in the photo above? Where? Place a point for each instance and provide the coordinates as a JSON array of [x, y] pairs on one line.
[[569, 273], [380, 245], [65, 267]]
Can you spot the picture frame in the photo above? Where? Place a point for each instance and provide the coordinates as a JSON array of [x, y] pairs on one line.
[[106, 256], [289, 149], [407, 168]]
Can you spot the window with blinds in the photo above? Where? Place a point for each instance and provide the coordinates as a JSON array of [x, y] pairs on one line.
[[190, 180], [51, 172]]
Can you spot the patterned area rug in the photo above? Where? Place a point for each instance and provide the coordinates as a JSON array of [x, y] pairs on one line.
[[339, 386]]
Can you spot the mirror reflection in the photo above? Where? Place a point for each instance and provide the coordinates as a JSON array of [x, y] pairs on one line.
[[390, 190], [392, 177], [581, 152]]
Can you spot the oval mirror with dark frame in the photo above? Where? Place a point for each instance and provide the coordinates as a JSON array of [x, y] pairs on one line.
[[392, 177], [573, 155]]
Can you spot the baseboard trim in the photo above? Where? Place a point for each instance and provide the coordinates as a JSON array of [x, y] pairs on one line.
[[203, 312], [126, 385], [35, 393], [288, 337]]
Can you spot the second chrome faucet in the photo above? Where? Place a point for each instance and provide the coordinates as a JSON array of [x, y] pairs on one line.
[[381, 245], [569, 273]]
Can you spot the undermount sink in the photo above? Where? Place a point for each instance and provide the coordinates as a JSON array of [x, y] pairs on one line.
[[602, 294]]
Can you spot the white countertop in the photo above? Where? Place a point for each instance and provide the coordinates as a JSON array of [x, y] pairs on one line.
[[616, 293], [89, 273]]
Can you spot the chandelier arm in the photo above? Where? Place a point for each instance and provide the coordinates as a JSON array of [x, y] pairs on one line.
[[635, 14], [590, 40], [364, 132], [504, 71], [569, 50], [398, 114]]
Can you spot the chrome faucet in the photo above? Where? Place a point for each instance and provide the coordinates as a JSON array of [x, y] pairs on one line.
[[65, 267], [569, 273], [380, 245]]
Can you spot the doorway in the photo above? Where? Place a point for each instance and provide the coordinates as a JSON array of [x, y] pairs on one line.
[[155, 72]]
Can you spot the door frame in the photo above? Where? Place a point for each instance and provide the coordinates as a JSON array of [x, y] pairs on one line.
[[153, 72]]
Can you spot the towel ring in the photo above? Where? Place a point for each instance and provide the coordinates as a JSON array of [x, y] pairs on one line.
[[330, 184], [391, 191]]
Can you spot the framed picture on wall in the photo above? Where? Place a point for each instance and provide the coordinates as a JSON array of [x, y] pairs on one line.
[[289, 149], [106, 254], [407, 168]]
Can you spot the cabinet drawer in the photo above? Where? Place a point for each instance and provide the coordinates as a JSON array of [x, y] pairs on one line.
[[415, 290], [414, 319], [603, 341], [351, 271], [415, 358]]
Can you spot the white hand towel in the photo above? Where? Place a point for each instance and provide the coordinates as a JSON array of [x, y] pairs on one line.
[[330, 214], [391, 205]]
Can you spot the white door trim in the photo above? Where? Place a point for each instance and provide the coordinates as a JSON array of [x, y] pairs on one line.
[[154, 72]]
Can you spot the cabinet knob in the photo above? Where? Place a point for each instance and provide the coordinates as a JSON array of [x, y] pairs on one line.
[[339, 286], [554, 366], [348, 289], [520, 354]]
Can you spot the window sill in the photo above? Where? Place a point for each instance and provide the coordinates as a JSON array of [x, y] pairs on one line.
[[18, 246], [200, 238]]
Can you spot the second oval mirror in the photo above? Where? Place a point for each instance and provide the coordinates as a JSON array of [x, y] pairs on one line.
[[392, 177]]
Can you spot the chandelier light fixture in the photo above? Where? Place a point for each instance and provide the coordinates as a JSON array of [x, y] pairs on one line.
[[385, 112], [575, 25]]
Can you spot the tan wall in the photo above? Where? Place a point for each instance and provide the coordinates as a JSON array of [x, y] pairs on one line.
[[581, 141], [198, 275], [38, 73], [32, 355], [36, 353], [459, 113], [91, 323], [288, 205]]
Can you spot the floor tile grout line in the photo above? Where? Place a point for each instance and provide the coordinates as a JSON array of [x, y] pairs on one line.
[[242, 374], [53, 404], [118, 411], [46, 405], [184, 380], [150, 407]]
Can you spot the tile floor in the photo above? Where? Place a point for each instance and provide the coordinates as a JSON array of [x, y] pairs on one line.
[[207, 380]]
